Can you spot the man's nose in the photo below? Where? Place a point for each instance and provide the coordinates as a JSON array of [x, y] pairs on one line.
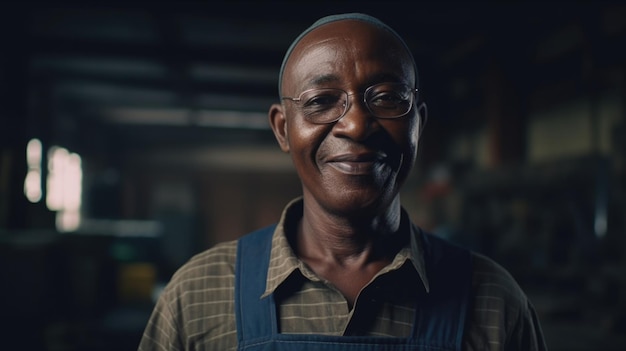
[[357, 123]]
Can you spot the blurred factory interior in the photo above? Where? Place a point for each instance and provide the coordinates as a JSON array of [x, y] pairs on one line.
[[135, 135]]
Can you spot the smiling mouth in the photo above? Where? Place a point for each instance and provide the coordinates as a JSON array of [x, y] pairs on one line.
[[357, 164]]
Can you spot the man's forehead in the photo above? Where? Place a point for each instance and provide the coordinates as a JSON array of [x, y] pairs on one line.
[[343, 32], [336, 27], [320, 59]]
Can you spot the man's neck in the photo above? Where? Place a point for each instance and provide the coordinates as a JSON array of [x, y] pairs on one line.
[[345, 238], [348, 251]]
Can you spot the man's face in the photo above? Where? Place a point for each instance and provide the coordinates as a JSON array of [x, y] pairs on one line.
[[357, 164]]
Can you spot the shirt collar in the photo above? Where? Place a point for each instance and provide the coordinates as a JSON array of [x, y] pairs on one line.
[[283, 261]]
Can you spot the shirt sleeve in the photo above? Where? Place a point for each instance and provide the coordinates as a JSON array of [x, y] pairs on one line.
[[196, 308], [527, 334], [502, 316], [161, 332]]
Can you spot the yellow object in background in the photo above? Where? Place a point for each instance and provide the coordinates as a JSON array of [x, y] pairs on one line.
[[136, 281]]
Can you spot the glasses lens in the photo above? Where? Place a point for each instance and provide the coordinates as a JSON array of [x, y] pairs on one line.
[[323, 105], [389, 100]]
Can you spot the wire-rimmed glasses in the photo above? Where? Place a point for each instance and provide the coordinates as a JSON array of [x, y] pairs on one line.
[[327, 105]]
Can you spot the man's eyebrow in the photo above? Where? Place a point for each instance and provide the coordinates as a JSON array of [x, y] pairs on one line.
[[388, 77], [326, 79], [323, 79]]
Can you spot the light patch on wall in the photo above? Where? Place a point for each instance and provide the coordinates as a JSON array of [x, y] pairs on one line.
[[32, 182], [609, 114], [64, 187], [568, 130], [471, 147], [564, 131]]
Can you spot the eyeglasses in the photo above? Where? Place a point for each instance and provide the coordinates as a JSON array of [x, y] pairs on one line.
[[328, 105]]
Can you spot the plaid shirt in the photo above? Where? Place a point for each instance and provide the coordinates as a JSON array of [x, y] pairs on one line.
[[196, 309]]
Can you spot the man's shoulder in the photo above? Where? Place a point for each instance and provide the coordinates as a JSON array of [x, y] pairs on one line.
[[492, 280], [501, 312], [213, 263], [216, 265]]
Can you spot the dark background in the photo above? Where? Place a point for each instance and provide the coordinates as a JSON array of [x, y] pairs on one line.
[[522, 158]]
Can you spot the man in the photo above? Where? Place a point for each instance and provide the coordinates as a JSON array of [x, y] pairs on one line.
[[344, 268]]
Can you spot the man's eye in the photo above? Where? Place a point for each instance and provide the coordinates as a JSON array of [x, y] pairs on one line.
[[322, 101], [387, 99]]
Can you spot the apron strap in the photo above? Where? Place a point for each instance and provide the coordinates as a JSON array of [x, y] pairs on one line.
[[441, 313], [439, 318], [253, 254]]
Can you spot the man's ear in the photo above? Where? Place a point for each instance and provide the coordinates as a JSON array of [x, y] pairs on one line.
[[422, 111], [278, 122]]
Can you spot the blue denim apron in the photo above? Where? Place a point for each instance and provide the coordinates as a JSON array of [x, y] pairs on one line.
[[439, 320]]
